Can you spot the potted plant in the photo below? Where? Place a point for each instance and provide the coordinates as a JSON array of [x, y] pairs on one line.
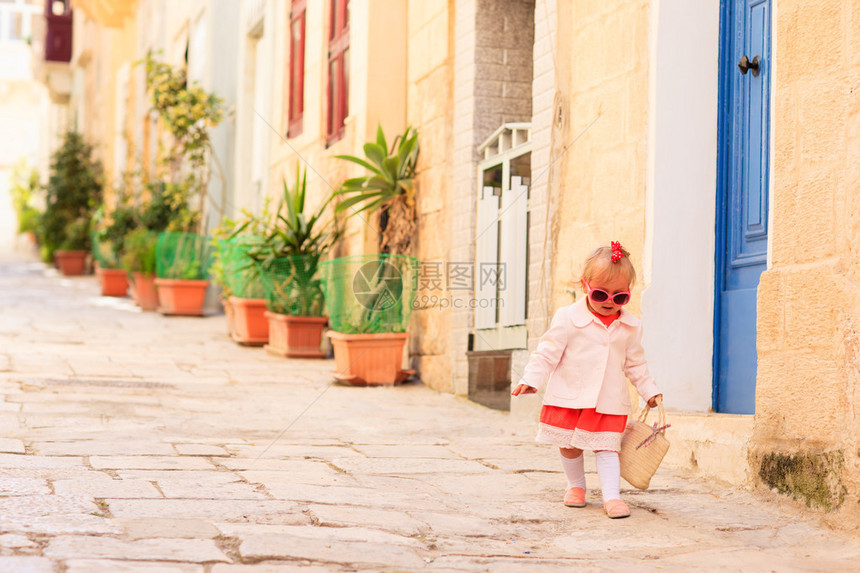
[[188, 113], [238, 276], [181, 268], [157, 207], [74, 189], [111, 231], [138, 260], [217, 272], [370, 297], [288, 259]]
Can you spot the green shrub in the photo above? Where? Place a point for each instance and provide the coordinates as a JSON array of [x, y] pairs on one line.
[[73, 191], [24, 191], [140, 251]]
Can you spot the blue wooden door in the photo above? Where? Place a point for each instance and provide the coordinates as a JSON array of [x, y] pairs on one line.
[[742, 198]]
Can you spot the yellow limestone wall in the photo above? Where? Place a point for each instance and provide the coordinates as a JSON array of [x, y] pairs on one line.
[[805, 442], [288, 156], [105, 50], [430, 110], [377, 94], [598, 183]]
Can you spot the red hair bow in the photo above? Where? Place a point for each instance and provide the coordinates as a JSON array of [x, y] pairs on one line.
[[617, 253]]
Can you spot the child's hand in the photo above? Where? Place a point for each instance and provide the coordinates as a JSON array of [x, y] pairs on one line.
[[523, 389], [652, 401]]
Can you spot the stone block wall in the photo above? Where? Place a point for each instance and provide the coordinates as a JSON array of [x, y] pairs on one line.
[[504, 37], [805, 441], [430, 110], [464, 160], [599, 176], [544, 132]]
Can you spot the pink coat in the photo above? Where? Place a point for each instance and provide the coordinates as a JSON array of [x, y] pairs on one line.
[[587, 362]]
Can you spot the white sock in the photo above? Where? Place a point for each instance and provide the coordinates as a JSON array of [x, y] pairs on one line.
[[574, 469], [609, 470]]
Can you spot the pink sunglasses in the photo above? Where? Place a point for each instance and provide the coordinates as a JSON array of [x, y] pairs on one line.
[[600, 296]]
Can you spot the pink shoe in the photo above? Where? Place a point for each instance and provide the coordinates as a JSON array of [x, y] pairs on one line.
[[574, 497], [615, 509]]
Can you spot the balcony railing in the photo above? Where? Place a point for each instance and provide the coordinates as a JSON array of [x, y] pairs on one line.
[[58, 36]]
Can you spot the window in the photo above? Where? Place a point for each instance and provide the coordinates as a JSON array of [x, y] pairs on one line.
[[59, 7], [338, 70], [297, 68]]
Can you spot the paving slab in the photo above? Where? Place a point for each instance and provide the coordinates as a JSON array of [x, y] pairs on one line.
[[358, 554], [26, 565], [39, 462], [406, 451], [205, 476], [357, 534], [150, 463], [91, 523], [181, 528], [303, 566], [261, 511], [283, 451], [101, 486], [194, 489], [12, 446], [409, 466], [297, 472], [10, 486], [395, 521], [114, 566], [102, 448], [15, 541], [350, 495], [200, 450], [188, 550]]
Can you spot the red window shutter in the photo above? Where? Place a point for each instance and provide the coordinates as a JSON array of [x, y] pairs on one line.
[[337, 100], [296, 106]]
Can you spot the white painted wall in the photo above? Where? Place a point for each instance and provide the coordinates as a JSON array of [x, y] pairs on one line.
[[678, 301], [24, 106]]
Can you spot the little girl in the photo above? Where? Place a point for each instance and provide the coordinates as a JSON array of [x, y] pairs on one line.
[[589, 349]]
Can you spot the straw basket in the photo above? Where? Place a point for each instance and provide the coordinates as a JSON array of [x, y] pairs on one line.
[[643, 448]]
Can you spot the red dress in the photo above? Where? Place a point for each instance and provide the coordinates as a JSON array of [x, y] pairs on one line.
[[584, 429]]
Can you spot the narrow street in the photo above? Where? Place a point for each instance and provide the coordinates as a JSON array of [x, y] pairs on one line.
[[137, 442]]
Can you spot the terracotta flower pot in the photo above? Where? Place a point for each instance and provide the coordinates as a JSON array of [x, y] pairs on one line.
[[114, 282], [295, 336], [71, 263], [362, 359], [181, 297], [249, 322], [143, 290]]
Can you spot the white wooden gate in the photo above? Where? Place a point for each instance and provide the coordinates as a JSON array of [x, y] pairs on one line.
[[501, 247]]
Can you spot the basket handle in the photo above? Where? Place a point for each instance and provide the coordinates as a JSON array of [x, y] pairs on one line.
[[661, 414]]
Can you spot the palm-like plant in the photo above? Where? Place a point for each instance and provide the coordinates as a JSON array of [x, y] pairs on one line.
[[290, 252], [295, 234], [387, 187]]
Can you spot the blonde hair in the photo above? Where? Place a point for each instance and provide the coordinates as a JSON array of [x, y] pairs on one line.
[[599, 264]]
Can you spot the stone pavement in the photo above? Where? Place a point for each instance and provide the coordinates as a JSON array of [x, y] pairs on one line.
[[130, 441]]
